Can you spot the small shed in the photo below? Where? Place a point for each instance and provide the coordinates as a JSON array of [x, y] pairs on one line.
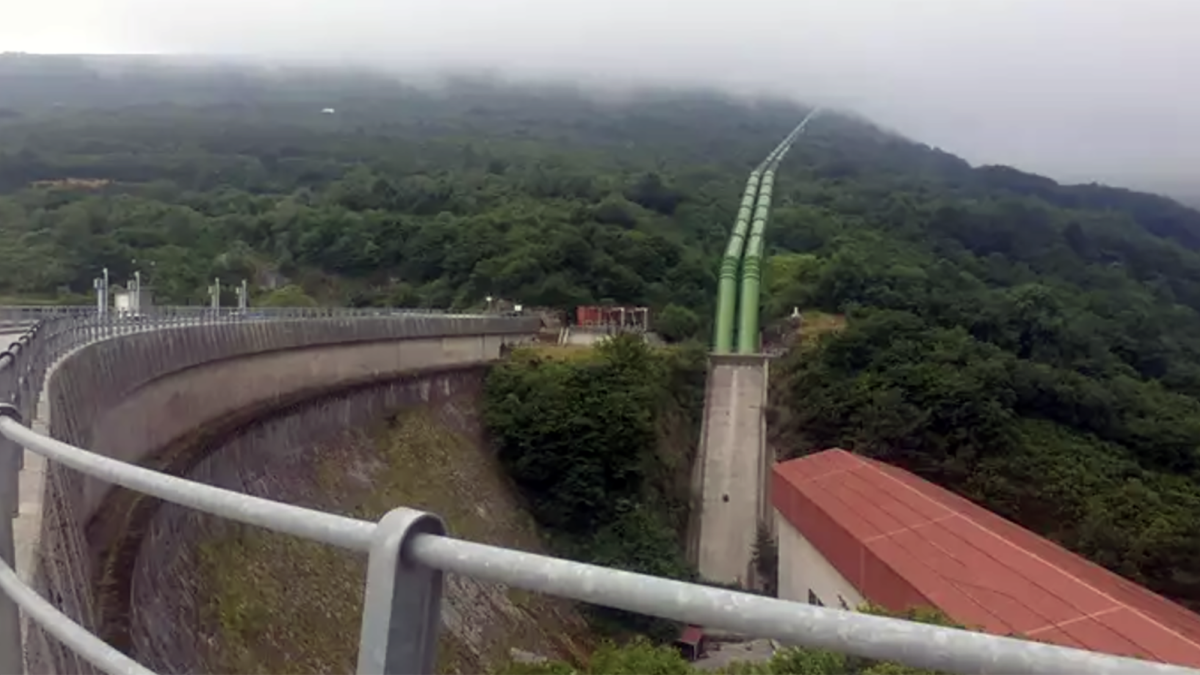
[[133, 301], [690, 642]]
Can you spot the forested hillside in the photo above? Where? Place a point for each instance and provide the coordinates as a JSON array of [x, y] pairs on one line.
[[1031, 345], [404, 196]]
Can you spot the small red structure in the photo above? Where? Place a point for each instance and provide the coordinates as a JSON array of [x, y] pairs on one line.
[[636, 319], [690, 643]]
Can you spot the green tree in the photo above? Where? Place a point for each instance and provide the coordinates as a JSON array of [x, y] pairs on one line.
[[675, 323], [582, 438], [287, 296]]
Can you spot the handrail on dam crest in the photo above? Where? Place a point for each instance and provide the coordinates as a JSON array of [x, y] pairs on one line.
[[409, 551]]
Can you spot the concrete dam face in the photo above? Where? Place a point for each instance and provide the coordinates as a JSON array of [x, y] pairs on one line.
[[176, 397], [204, 594]]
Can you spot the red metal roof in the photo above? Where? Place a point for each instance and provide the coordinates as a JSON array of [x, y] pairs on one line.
[[903, 542]]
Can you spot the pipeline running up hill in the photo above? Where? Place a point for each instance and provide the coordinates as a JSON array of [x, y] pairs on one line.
[[745, 251]]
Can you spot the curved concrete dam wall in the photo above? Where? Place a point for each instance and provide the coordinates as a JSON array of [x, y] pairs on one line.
[[208, 595], [130, 396]]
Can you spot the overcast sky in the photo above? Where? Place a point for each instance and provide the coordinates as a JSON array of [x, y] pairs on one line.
[[1078, 89]]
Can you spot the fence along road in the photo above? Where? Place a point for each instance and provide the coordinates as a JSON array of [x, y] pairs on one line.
[[409, 551]]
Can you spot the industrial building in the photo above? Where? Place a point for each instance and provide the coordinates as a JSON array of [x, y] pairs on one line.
[[851, 529], [613, 319]]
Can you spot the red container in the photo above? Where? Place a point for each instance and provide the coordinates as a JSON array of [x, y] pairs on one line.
[[587, 315]]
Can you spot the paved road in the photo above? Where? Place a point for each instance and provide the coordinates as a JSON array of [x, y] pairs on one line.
[[733, 474]]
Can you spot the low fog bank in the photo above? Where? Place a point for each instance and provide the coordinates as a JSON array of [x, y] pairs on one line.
[[1080, 91], [1037, 139], [1145, 144]]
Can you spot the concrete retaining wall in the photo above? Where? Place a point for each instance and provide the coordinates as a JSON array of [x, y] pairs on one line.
[[129, 395]]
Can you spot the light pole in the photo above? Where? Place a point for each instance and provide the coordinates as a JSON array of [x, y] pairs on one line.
[[243, 296], [214, 294], [101, 286]]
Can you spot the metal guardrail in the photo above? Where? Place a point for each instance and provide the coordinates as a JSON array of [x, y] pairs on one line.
[[53, 331], [409, 551]]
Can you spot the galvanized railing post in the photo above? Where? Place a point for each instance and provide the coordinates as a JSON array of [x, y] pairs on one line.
[[403, 600]]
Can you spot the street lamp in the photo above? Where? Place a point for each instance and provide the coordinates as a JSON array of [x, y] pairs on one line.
[[214, 294], [243, 296], [101, 286]]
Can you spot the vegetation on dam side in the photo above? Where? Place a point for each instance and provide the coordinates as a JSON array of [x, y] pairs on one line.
[[640, 657], [278, 604], [600, 443], [571, 497]]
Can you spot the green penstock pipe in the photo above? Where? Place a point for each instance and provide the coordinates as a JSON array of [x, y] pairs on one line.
[[748, 333], [748, 311], [727, 283]]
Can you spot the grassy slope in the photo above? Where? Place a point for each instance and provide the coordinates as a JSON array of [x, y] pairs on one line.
[[276, 604]]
